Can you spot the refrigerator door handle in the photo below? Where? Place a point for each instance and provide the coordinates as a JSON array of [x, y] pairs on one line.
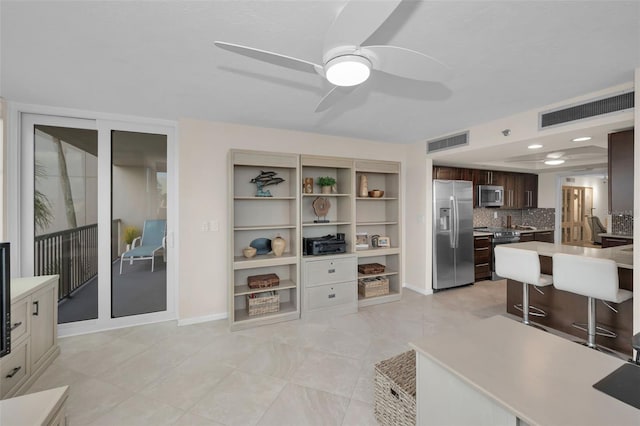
[[454, 222], [452, 229]]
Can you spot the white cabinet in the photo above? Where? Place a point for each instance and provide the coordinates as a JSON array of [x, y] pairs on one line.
[[34, 337], [262, 218], [330, 285], [43, 324]]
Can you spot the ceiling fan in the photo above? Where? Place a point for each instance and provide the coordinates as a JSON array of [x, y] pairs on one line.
[[345, 62]]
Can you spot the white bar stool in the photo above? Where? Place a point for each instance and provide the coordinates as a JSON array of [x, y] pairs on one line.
[[593, 278], [522, 265]]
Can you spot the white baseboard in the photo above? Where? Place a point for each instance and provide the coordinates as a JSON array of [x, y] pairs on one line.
[[206, 318], [423, 291]]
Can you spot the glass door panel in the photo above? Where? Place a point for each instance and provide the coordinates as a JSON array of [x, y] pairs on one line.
[[65, 222], [138, 223]]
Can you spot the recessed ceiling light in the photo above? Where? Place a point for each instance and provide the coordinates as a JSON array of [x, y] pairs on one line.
[[553, 162], [582, 139], [555, 155], [535, 146]]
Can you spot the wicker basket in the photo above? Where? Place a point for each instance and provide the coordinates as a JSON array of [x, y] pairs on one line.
[[395, 390], [263, 303], [263, 281], [371, 268], [374, 286]]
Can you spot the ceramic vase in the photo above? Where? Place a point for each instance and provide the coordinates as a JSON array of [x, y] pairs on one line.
[[326, 189], [278, 244], [364, 187]]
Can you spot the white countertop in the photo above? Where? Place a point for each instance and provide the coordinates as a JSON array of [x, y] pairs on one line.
[[541, 378], [626, 237], [622, 255], [22, 286], [34, 408]]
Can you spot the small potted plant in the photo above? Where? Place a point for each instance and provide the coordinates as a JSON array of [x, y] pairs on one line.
[[130, 234], [326, 183]]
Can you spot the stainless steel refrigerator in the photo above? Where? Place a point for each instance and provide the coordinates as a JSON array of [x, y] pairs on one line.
[[452, 233]]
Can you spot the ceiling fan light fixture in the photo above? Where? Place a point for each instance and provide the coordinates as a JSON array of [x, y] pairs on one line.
[[554, 162], [348, 70], [582, 139]]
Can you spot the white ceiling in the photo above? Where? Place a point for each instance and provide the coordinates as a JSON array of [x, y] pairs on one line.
[[158, 60]]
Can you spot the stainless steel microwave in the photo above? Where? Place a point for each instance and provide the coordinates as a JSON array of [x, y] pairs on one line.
[[490, 196]]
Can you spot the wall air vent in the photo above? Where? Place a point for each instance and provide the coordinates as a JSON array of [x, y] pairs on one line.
[[449, 142], [589, 109]]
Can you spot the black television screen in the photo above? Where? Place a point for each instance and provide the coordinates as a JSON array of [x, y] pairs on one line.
[[5, 300]]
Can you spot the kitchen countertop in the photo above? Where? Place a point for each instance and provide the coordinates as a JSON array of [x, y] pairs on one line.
[[541, 378], [626, 237], [522, 231], [622, 255]]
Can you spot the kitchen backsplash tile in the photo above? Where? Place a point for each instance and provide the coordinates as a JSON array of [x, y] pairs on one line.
[[620, 224], [540, 218]]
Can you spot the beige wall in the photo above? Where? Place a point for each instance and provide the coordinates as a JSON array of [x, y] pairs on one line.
[[203, 151], [417, 253]]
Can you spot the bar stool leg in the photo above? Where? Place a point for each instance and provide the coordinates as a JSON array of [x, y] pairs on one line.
[[525, 303], [591, 321]]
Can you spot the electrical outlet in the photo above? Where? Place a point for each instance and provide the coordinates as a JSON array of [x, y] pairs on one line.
[[205, 226], [495, 215], [214, 226]]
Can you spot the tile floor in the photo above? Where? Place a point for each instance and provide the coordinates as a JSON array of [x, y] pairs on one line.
[[293, 373]]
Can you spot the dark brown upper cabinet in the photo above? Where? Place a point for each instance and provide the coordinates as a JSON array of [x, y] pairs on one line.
[[620, 162]]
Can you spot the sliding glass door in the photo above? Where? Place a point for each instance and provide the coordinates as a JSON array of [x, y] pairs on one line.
[[95, 209]]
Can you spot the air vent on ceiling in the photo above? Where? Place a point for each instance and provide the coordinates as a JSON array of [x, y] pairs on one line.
[[589, 109], [570, 180], [448, 142]]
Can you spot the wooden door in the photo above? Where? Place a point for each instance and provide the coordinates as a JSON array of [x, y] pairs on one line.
[[576, 203]]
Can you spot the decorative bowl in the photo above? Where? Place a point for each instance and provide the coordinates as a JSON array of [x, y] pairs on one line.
[[262, 245], [376, 193], [249, 252]]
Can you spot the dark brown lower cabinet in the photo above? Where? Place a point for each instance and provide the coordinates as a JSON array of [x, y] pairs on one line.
[[482, 257]]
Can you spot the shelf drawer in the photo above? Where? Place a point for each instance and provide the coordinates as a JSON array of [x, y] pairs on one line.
[[335, 270], [331, 295], [19, 319], [13, 369]]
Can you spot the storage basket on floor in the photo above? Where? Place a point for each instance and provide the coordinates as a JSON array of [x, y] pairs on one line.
[[263, 303], [374, 286], [395, 390]]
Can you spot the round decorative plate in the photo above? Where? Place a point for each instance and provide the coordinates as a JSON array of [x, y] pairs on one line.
[[262, 245]]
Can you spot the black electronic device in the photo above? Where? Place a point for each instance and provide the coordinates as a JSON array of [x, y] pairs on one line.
[[329, 244]]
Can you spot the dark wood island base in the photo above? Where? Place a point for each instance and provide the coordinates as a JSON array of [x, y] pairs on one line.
[[565, 308]]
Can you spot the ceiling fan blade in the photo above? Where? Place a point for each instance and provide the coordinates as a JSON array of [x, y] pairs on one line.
[[272, 58], [334, 96], [408, 63], [357, 21]]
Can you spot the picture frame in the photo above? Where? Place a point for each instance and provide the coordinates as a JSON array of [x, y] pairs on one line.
[[384, 242], [362, 240]]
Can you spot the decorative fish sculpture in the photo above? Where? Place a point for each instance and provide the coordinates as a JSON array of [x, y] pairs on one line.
[[263, 176], [266, 178]]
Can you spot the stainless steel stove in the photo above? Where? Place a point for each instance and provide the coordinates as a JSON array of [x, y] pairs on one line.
[[500, 236]]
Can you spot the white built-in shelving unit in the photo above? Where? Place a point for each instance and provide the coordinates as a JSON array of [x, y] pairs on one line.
[[311, 285], [380, 216], [255, 217]]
